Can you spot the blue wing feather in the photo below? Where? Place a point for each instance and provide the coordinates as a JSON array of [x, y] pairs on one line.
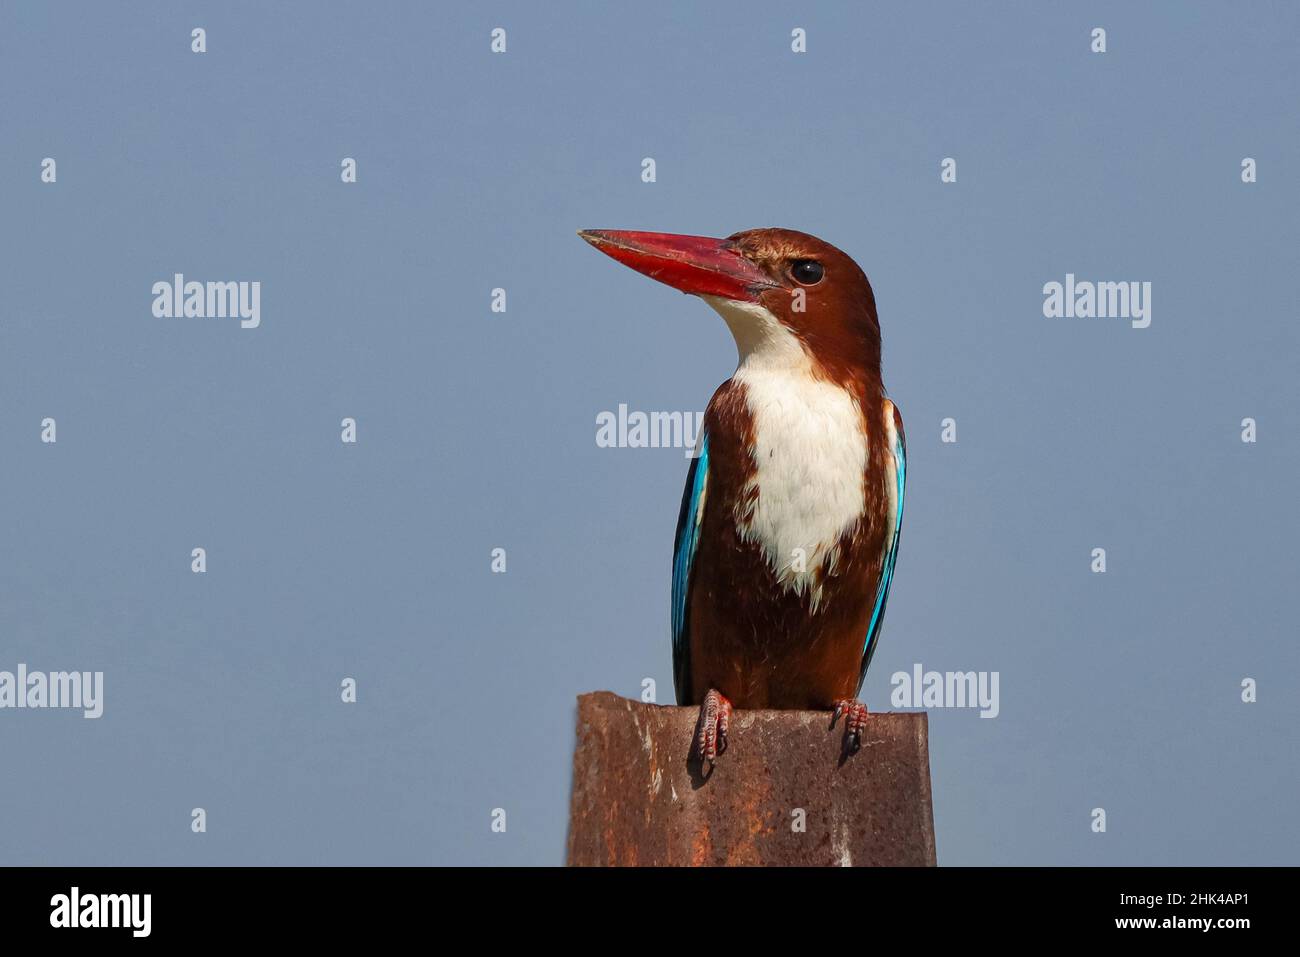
[[687, 543], [891, 556]]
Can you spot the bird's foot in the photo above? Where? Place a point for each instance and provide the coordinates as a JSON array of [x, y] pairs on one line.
[[855, 713], [711, 733]]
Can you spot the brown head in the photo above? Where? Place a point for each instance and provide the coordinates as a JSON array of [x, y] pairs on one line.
[[784, 294]]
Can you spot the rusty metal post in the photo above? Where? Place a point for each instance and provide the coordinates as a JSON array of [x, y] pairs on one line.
[[782, 794]]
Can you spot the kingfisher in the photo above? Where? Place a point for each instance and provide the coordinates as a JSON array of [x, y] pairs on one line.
[[788, 532]]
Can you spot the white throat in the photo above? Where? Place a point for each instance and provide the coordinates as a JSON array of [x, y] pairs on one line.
[[810, 453], [762, 340]]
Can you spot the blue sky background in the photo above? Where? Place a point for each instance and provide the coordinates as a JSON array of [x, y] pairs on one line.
[[477, 430]]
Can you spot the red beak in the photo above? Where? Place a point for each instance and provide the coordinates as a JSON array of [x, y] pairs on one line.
[[694, 264]]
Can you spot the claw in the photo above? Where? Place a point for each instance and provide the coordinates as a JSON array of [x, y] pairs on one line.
[[715, 721], [854, 725]]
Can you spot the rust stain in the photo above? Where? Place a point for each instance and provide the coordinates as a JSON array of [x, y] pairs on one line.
[[702, 848]]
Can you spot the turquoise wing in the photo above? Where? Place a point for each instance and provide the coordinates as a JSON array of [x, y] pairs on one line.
[[686, 545], [891, 555]]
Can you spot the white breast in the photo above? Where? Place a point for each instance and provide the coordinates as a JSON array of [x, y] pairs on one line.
[[809, 452], [810, 457]]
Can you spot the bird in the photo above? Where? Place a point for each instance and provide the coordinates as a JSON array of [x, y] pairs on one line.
[[787, 537]]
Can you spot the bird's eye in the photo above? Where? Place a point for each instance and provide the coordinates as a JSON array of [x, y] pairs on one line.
[[807, 272]]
